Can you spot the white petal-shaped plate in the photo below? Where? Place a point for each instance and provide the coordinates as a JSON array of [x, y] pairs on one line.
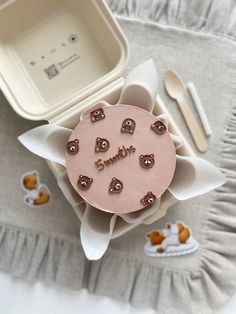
[[67, 189], [138, 216], [47, 141], [177, 140], [95, 232], [141, 86], [194, 176]]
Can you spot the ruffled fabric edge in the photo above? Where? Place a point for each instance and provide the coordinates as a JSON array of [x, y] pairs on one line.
[[209, 16]]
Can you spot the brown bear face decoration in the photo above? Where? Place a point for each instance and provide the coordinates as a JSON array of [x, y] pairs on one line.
[[146, 161], [84, 182], [158, 127], [128, 126], [116, 186], [102, 145], [73, 147], [148, 199], [97, 115]]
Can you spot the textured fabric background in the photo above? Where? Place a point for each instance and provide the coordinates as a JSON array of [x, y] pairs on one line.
[[197, 39]]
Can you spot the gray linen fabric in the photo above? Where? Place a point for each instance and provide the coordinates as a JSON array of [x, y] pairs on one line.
[[197, 39]]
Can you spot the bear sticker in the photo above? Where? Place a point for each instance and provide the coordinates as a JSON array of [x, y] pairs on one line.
[[148, 199], [101, 145], [37, 193], [128, 126], [84, 182], [97, 115], [73, 147], [173, 240], [116, 186], [146, 161], [158, 127]]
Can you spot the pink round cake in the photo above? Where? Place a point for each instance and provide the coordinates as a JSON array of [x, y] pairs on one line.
[[120, 158]]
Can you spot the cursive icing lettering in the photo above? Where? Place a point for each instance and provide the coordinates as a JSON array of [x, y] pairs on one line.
[[99, 164], [121, 154]]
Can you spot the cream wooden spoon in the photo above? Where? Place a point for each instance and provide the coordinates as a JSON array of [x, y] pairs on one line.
[[175, 89]]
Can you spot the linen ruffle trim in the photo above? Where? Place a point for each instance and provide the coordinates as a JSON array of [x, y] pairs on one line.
[[210, 16]]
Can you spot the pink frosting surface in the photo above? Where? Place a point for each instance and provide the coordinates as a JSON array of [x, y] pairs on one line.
[[137, 181]]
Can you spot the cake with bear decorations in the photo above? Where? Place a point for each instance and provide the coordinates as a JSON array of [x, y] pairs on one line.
[[120, 158]]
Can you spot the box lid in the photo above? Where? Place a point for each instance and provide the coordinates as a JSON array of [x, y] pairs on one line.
[[54, 54]]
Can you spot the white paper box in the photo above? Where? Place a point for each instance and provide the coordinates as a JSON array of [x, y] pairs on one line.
[[55, 53], [59, 57]]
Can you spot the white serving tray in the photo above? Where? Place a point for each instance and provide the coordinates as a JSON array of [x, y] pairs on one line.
[[59, 57]]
